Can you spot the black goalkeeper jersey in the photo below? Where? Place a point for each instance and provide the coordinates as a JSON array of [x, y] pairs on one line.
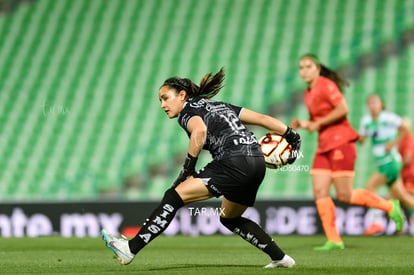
[[226, 135]]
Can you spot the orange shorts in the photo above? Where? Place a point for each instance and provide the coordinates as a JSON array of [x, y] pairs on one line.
[[338, 162]]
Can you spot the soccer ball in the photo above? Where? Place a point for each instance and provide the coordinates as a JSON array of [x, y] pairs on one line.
[[276, 150]]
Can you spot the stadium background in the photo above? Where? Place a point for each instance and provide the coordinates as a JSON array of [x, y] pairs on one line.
[[79, 115]]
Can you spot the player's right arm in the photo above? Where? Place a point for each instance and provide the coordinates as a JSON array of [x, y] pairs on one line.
[[198, 135], [270, 123], [275, 126], [338, 112]]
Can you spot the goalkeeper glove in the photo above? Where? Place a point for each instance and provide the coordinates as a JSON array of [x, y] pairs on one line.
[[294, 140], [187, 170]]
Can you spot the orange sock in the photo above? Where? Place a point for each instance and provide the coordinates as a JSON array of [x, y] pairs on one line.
[[326, 211], [366, 198]]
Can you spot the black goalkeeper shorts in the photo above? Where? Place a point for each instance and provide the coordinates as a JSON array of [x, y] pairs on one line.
[[237, 178]]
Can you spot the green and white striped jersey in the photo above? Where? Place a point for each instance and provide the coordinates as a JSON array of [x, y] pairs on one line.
[[381, 131]]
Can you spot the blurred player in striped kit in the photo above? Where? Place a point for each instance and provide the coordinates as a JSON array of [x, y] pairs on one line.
[[386, 130]]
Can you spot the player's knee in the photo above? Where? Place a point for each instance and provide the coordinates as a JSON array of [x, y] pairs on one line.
[[343, 197], [320, 191], [171, 196]]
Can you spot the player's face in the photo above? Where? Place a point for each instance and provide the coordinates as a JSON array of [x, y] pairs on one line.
[[374, 105], [308, 70], [171, 102]]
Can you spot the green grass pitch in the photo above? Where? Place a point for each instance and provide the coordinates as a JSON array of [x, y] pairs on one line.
[[206, 255]]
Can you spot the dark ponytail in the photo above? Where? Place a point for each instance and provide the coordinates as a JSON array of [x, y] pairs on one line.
[[209, 86], [334, 76], [327, 72]]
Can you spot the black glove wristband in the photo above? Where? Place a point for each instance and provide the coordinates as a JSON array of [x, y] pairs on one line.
[[187, 170], [293, 138], [190, 162]]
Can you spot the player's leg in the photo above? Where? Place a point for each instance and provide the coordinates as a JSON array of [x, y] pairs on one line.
[[367, 198], [321, 182], [238, 181], [387, 174], [398, 191], [252, 233], [344, 192], [190, 190], [321, 185], [343, 161], [375, 181], [408, 182], [376, 224]]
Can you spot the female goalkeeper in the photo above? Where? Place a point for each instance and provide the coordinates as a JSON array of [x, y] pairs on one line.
[[335, 156], [236, 171]]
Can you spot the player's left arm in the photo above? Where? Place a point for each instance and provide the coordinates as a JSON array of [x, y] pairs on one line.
[[408, 156], [333, 96], [272, 124], [403, 130]]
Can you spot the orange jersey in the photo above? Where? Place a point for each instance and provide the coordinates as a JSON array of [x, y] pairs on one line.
[[321, 100], [405, 147]]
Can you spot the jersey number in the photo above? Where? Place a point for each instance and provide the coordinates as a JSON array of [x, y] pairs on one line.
[[233, 121]]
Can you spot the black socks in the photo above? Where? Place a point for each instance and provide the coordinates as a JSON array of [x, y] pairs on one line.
[[158, 221], [162, 216], [254, 234]]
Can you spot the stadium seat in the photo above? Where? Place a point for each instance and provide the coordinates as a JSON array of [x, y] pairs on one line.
[[79, 82]]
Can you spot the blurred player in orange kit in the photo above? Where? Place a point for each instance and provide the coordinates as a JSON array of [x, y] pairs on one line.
[[336, 153], [406, 150]]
